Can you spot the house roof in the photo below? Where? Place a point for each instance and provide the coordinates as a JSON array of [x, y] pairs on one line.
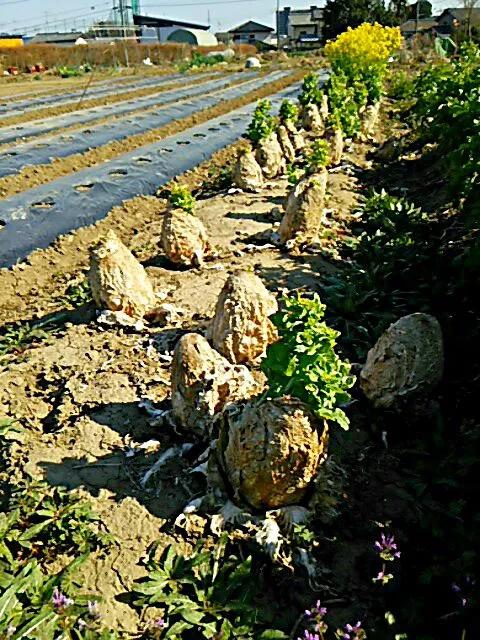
[[411, 25], [252, 27], [461, 14], [51, 38], [150, 21]]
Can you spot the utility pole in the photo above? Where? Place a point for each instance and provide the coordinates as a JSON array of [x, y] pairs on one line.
[[278, 25], [417, 16]]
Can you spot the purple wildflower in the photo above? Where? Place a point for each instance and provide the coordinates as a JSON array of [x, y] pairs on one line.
[[11, 630], [60, 601], [158, 623], [353, 632], [310, 636], [321, 626], [383, 577], [455, 588], [387, 547], [93, 611], [317, 610]]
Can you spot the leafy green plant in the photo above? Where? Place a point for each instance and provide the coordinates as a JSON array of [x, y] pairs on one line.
[[288, 112], [78, 294], [344, 110], [377, 283], [43, 521], [303, 363], [401, 86], [198, 60], [447, 112], [19, 337], [34, 605], [294, 174], [182, 198], [310, 93], [211, 593], [318, 156], [262, 124], [68, 72]]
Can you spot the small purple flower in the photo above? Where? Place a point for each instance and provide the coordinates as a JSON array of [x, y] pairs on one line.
[[60, 601], [387, 547], [159, 623], [93, 611], [11, 630], [156, 627], [359, 633], [317, 610], [455, 588], [310, 636], [383, 577], [82, 625], [321, 626]]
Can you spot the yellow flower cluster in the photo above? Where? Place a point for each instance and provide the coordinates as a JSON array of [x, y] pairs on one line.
[[366, 45]]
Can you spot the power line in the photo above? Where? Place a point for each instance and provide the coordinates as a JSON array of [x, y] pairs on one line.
[[3, 4], [68, 15], [196, 4]]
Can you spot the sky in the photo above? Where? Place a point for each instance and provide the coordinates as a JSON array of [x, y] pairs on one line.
[[33, 16]]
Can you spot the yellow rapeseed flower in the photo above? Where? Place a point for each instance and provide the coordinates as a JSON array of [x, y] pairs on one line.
[[368, 44]]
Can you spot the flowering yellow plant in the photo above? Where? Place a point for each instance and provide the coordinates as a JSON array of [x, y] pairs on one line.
[[368, 44]]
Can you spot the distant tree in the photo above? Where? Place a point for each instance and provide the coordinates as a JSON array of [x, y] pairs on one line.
[[424, 10], [470, 5], [398, 10], [340, 14]]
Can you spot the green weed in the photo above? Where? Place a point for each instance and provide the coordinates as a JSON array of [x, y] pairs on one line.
[[212, 593], [78, 294]]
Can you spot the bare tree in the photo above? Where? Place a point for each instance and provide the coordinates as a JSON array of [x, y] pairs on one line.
[[469, 5]]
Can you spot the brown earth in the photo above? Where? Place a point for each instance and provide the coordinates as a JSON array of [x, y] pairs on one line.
[[77, 393], [37, 175]]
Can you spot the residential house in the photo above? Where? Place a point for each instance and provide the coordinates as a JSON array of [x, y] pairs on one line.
[[252, 33], [454, 20], [302, 27], [411, 27]]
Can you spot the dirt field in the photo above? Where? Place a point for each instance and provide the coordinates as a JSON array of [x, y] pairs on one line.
[[78, 390], [41, 174]]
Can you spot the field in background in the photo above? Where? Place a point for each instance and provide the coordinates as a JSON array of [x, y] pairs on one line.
[[106, 55]]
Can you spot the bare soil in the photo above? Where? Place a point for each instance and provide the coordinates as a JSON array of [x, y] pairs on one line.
[[77, 393], [35, 176]]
